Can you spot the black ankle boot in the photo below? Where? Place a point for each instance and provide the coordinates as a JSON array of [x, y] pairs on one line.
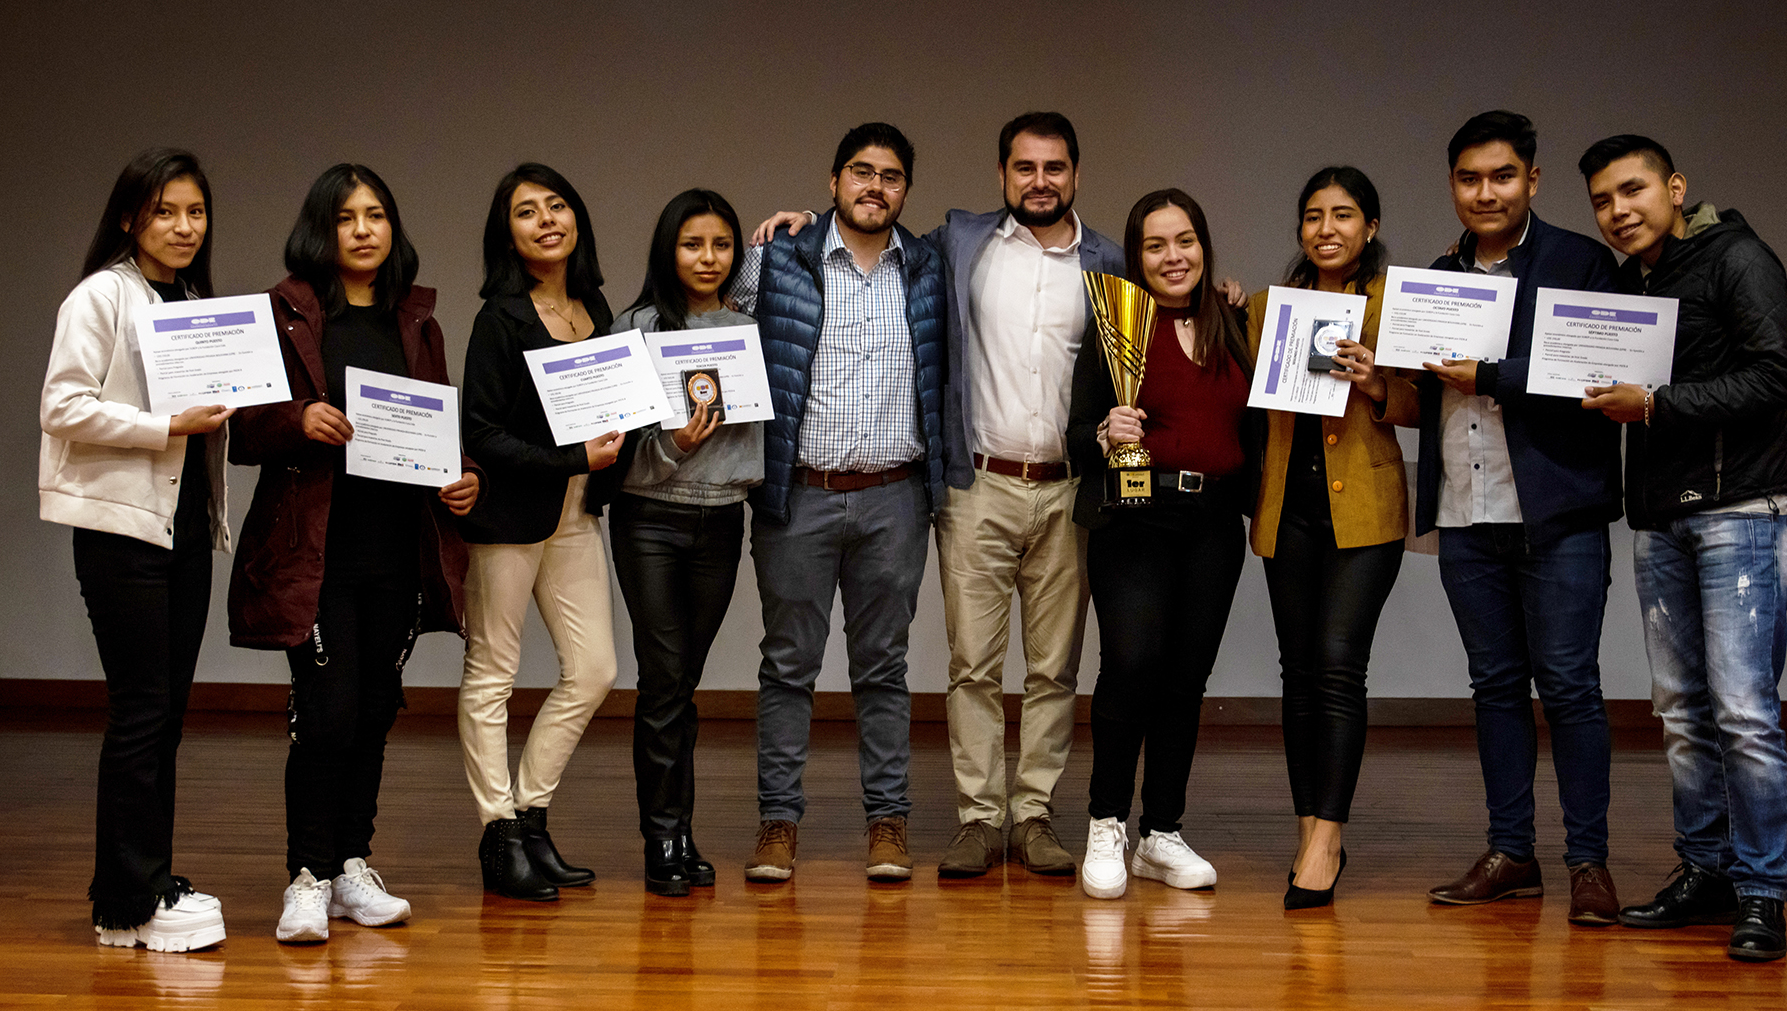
[[700, 872], [502, 854], [544, 855], [664, 869]]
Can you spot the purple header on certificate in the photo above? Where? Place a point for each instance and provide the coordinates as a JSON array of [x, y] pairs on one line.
[[1449, 291], [203, 322], [710, 348], [1278, 339], [1605, 315], [597, 358], [406, 399]]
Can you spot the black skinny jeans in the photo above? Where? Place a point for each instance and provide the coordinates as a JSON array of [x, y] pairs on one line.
[[1163, 579], [1325, 605], [148, 606], [677, 565], [347, 685]]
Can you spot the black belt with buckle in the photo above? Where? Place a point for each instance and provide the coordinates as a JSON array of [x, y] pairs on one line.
[[1188, 481]]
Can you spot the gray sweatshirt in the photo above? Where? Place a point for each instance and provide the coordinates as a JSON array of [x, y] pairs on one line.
[[716, 473]]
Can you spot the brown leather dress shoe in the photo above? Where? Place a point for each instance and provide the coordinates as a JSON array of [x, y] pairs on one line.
[[1035, 845], [976, 848], [1494, 876], [1593, 902]]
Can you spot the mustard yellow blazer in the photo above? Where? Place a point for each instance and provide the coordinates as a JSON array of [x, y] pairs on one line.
[[1366, 489]]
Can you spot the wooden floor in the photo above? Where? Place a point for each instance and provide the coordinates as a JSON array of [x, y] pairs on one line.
[[829, 939]]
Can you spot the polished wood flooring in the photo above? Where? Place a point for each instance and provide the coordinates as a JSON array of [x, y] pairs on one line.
[[829, 939]]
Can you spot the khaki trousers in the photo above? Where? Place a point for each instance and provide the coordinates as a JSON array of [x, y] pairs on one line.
[[567, 575], [1006, 533]]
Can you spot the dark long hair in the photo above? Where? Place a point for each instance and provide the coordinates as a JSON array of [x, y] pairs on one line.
[[134, 198], [1303, 273], [1217, 327], [313, 250], [663, 291], [505, 273]]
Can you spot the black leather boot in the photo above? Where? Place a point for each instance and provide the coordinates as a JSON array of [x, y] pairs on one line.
[[664, 869], [700, 872], [544, 855], [1698, 896], [502, 854], [1761, 931]]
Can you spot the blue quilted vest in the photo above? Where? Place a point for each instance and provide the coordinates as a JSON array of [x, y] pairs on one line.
[[790, 312]]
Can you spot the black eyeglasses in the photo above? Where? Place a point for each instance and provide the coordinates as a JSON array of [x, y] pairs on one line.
[[892, 180]]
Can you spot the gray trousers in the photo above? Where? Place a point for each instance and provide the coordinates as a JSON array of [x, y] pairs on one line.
[[871, 545]]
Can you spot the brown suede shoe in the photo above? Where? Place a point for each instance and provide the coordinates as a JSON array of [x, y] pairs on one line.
[[774, 859], [1494, 876], [1593, 902], [889, 859], [978, 846], [1033, 844]]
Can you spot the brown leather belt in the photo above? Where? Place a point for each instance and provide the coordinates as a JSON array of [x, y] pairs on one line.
[[1056, 470], [855, 480]]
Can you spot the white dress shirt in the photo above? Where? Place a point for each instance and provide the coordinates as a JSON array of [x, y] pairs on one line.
[[1477, 479]]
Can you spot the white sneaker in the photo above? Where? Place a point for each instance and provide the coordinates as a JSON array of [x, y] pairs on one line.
[[1102, 874], [195, 921], [359, 894], [306, 916], [1164, 856]]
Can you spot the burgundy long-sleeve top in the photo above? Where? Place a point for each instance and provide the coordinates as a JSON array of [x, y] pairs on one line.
[[1194, 411]]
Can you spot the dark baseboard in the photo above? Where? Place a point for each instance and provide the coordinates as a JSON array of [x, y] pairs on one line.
[[927, 707]]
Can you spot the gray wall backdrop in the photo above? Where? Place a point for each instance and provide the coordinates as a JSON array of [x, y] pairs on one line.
[[633, 103]]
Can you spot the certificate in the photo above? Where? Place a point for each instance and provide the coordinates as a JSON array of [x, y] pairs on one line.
[[731, 357], [1301, 331], [405, 430], [1589, 338], [596, 386], [211, 351], [1434, 315]]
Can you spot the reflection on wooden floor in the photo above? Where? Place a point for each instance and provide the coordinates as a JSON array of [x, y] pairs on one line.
[[830, 939]]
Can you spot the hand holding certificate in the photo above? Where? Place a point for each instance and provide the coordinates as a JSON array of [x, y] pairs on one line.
[[1303, 328], [211, 351], [595, 386], [1585, 339], [405, 430], [721, 367], [1436, 315]]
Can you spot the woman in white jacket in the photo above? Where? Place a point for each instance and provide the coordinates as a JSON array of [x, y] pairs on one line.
[[145, 494]]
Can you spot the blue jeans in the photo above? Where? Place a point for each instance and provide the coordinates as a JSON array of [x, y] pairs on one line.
[[1710, 588], [871, 545], [1530, 617]]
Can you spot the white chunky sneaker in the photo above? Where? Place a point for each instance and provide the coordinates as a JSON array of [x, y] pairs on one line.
[[195, 921], [359, 894], [1102, 874], [306, 916], [1164, 856]]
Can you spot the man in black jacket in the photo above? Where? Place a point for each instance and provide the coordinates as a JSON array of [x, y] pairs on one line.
[[1706, 481]]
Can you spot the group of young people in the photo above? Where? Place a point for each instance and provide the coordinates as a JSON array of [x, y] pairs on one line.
[[951, 382]]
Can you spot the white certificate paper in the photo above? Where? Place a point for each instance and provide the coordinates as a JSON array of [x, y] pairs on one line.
[[1590, 338], [734, 351], [211, 351], [1435, 315], [597, 385], [405, 429], [1296, 319]]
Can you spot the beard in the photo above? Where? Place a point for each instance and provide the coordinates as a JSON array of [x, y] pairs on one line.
[[854, 215], [1031, 219]]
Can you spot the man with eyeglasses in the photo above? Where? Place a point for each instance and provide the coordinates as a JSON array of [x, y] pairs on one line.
[[851, 315]]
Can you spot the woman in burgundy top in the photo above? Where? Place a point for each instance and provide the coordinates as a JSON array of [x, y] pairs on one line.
[[1162, 576]]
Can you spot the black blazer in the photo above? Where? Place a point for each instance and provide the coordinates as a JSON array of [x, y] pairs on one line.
[[506, 431]]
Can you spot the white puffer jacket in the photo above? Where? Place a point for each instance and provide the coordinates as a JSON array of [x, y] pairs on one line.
[[107, 463]]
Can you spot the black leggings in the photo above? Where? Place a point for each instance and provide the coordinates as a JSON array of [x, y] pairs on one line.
[[1163, 579], [677, 565], [1325, 604], [347, 685], [148, 606]]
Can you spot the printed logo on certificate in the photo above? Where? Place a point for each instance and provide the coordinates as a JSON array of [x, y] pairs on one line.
[[1440, 315], [211, 351], [1591, 338]]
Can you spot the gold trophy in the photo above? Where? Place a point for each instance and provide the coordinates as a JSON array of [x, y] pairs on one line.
[[1125, 315]]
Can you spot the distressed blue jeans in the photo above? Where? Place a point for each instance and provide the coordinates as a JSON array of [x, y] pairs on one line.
[[1711, 593]]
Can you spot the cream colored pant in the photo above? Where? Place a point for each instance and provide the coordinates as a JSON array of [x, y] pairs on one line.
[[1002, 534], [567, 575]]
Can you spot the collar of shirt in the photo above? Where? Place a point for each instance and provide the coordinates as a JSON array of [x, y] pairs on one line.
[[835, 242], [1008, 227], [1467, 253]]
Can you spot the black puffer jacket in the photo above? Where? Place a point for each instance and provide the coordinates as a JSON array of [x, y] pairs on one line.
[[1718, 431]]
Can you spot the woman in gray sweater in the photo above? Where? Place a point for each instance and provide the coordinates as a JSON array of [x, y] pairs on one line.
[[677, 527]]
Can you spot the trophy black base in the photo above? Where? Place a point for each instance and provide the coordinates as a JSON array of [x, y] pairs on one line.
[[1129, 487]]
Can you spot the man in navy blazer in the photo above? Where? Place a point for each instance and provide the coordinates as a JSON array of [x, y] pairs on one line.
[[1522, 488]]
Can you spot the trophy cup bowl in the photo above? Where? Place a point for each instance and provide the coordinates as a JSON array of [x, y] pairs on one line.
[[1124, 312]]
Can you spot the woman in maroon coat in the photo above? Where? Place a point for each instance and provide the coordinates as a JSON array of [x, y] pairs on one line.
[[342, 572]]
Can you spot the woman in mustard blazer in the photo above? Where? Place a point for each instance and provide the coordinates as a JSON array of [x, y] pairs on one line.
[[1329, 525]]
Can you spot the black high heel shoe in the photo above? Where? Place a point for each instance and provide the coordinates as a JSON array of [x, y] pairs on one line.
[[665, 873], [502, 855], [1312, 898], [544, 856], [700, 872]]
